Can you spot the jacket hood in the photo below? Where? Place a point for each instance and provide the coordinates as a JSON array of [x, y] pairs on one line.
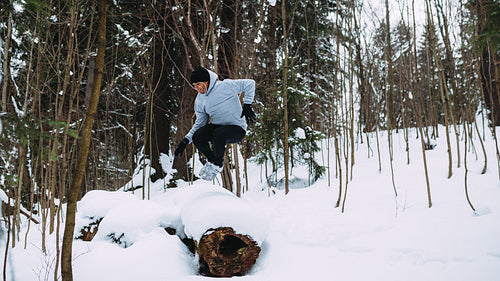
[[213, 79]]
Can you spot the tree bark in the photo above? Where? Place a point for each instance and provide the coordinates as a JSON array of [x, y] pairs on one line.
[[489, 68], [418, 105], [6, 61], [227, 40], [490, 87], [66, 255], [391, 122], [224, 253], [285, 97], [225, 247], [185, 120], [227, 178], [157, 137]]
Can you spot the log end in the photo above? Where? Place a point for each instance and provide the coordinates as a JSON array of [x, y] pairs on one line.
[[224, 253]]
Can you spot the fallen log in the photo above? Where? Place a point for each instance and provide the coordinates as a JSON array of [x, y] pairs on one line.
[[8, 209], [223, 231], [228, 231], [224, 253]]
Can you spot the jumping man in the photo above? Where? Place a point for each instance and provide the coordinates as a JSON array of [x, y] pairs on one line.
[[219, 101]]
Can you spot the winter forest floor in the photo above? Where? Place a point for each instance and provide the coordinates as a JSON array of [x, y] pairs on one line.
[[378, 236]]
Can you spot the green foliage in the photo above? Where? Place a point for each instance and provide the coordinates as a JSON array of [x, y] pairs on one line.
[[317, 170], [24, 131], [268, 133], [36, 5], [490, 34], [306, 142], [26, 136]]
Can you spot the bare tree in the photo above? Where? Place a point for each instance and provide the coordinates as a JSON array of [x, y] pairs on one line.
[[390, 94], [6, 77], [417, 103], [66, 258], [285, 96]]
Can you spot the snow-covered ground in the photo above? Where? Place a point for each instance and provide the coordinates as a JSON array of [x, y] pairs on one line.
[[302, 234]]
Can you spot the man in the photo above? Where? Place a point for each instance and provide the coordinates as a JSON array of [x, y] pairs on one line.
[[218, 101]]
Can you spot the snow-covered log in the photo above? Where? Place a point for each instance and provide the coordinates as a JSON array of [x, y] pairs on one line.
[[228, 230], [122, 218]]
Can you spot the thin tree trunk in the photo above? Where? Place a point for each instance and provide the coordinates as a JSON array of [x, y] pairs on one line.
[[285, 96], [333, 107], [66, 257], [389, 96], [418, 106], [257, 32], [442, 85], [6, 255], [466, 172], [227, 179], [237, 168], [351, 93], [485, 167], [345, 113], [192, 35], [245, 157], [451, 66], [6, 59]]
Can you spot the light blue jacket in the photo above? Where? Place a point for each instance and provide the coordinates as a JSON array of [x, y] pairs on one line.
[[221, 103]]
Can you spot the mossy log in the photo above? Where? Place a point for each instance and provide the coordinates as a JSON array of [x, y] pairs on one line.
[[224, 253]]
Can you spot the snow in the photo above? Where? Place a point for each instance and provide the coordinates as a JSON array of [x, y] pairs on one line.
[[272, 2], [157, 256], [300, 133], [214, 209], [135, 220], [303, 235]]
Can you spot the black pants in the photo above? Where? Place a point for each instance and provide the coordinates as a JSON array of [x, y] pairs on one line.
[[218, 135]]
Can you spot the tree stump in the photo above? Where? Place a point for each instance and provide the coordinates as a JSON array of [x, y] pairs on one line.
[[224, 253]]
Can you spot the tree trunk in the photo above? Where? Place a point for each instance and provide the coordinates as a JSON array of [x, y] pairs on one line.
[[185, 120], [224, 253], [225, 247], [285, 97], [391, 123], [225, 66], [227, 178], [489, 69], [237, 169], [157, 137], [6, 61], [490, 87], [227, 41], [418, 105], [66, 257]]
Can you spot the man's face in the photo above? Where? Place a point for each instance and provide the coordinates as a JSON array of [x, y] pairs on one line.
[[201, 87]]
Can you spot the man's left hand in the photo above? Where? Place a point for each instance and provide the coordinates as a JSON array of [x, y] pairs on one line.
[[248, 113]]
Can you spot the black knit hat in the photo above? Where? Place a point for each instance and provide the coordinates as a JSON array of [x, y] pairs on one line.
[[200, 74]]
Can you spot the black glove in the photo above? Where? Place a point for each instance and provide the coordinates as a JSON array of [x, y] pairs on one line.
[[181, 146], [248, 113]]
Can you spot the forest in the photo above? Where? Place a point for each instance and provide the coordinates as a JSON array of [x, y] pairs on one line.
[[93, 91]]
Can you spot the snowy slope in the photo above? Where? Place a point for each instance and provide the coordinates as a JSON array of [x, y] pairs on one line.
[[304, 236]]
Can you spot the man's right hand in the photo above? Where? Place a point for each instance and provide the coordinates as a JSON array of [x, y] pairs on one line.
[[181, 146]]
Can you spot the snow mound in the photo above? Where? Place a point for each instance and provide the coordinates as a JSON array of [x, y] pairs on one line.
[[127, 223], [156, 256], [97, 203], [212, 207], [125, 217]]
